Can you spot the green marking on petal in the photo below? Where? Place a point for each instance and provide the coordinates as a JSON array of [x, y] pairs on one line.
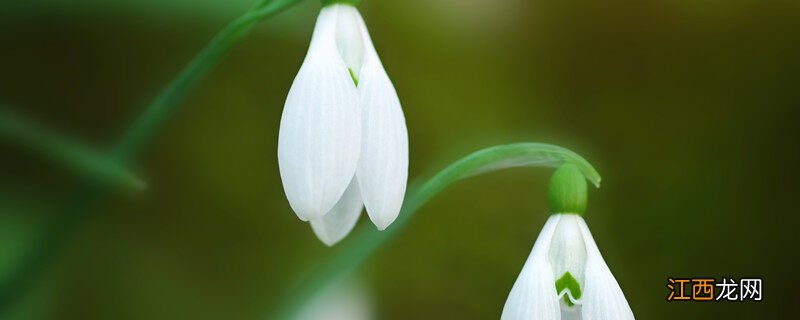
[[568, 282], [353, 76]]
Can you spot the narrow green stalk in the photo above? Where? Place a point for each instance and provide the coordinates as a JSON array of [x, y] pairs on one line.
[[76, 157], [346, 2], [567, 191], [165, 104], [176, 91], [367, 239]]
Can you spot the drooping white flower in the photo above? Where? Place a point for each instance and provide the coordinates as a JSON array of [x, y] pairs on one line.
[[565, 276], [343, 142]]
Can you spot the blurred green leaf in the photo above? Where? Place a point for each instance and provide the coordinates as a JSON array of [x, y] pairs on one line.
[[129, 145], [60, 149]]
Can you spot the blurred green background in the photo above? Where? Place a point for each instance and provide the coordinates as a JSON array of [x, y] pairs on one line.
[[687, 108]]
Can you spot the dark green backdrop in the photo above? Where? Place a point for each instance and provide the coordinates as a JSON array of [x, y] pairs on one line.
[[687, 108]]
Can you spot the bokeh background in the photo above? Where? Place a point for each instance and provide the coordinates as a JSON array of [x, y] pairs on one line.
[[687, 108]]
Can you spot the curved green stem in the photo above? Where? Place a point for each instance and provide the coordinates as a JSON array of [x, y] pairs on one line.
[[367, 239], [132, 141], [165, 104]]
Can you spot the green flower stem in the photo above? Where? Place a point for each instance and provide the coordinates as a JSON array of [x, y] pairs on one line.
[[363, 243], [347, 2], [165, 104], [76, 157], [176, 91], [567, 191]]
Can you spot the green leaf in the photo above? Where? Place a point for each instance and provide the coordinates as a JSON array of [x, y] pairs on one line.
[[526, 154], [71, 154], [130, 144]]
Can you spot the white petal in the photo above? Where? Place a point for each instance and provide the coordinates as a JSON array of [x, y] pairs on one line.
[[341, 301], [349, 38], [320, 133], [383, 167], [534, 294], [602, 297], [568, 251], [337, 223], [571, 312]]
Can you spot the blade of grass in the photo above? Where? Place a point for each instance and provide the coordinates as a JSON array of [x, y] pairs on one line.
[[163, 106], [73, 155], [363, 243]]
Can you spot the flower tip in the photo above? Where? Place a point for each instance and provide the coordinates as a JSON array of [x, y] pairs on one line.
[[381, 222], [306, 214], [301, 217], [329, 242], [383, 212], [323, 234], [339, 221], [382, 226]]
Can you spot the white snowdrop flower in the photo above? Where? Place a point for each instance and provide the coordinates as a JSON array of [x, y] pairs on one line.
[[565, 276], [343, 142]]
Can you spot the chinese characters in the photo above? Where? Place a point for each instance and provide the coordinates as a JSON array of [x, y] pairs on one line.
[[708, 289]]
